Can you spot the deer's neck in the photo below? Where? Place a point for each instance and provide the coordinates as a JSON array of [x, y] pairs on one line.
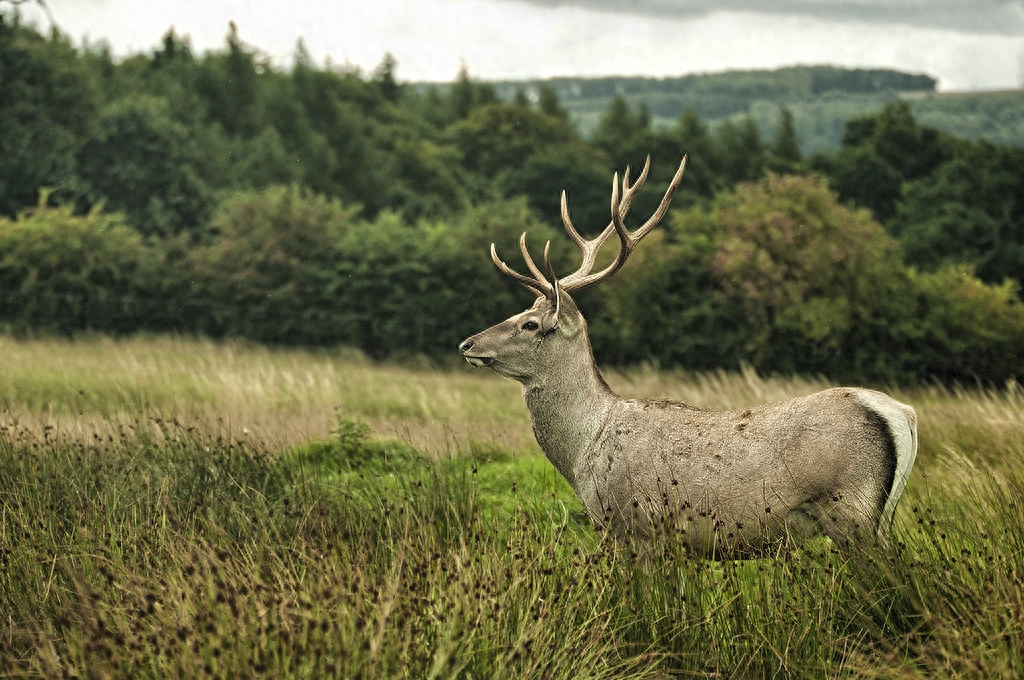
[[568, 408]]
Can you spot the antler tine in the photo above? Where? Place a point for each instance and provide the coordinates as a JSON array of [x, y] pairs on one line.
[[629, 190], [534, 269], [538, 287], [547, 263], [629, 240], [567, 221], [665, 201], [615, 195], [554, 283]]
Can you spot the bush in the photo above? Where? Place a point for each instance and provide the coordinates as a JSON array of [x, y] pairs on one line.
[[62, 272], [352, 448], [270, 269], [965, 330], [287, 266]]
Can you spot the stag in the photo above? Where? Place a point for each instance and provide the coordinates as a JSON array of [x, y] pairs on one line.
[[729, 482]]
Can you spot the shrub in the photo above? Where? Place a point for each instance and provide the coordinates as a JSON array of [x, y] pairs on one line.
[[270, 270], [62, 272]]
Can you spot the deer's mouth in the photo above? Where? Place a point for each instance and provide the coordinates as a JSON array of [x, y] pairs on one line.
[[479, 362]]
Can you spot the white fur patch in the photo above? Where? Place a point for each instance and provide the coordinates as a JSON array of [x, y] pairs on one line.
[[902, 420]]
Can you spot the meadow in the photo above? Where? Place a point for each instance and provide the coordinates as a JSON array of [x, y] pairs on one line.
[[172, 507]]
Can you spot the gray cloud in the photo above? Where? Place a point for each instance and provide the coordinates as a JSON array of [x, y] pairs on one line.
[[996, 17]]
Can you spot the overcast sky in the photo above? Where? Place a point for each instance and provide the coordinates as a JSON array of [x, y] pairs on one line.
[[966, 44]]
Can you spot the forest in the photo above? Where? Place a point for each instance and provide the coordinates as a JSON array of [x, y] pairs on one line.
[[224, 196]]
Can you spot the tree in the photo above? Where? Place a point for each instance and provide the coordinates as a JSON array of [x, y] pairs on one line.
[[48, 100], [175, 49], [692, 137], [384, 78], [624, 135], [426, 176], [969, 212], [913, 150], [144, 163], [467, 95], [784, 154], [575, 167], [270, 270], [230, 83], [881, 152], [330, 125], [795, 282], [862, 177], [520, 98], [499, 137], [548, 102], [806, 272], [958, 329], [740, 150]]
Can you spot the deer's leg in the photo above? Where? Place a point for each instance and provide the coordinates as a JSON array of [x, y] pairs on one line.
[[849, 515]]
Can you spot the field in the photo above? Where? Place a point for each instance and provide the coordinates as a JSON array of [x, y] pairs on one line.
[[181, 508]]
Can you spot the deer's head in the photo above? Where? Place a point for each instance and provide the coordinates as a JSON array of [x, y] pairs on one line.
[[552, 331]]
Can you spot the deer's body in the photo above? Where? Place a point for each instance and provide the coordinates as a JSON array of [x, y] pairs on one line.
[[729, 481]]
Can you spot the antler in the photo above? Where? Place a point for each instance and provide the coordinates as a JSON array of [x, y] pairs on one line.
[[538, 284], [583, 277]]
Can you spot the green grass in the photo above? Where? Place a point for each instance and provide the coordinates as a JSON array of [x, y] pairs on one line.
[[164, 538]]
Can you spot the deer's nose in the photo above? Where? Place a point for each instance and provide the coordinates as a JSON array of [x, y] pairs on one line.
[[466, 346]]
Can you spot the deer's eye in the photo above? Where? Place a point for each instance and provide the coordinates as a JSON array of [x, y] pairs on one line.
[[530, 326]]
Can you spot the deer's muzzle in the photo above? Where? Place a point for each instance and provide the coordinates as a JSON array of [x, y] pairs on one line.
[[473, 360]]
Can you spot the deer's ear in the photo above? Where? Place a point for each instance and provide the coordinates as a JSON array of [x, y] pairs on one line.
[[563, 315], [552, 321], [568, 325]]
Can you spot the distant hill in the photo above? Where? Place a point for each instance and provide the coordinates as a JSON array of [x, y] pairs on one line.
[[995, 116], [821, 99]]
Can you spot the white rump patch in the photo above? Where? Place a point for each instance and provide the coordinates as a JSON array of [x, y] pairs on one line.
[[902, 420]]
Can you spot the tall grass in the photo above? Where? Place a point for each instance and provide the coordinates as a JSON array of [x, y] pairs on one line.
[[180, 534], [277, 397]]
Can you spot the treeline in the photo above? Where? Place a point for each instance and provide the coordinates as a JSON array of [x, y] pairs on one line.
[[822, 100], [222, 195], [720, 95]]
